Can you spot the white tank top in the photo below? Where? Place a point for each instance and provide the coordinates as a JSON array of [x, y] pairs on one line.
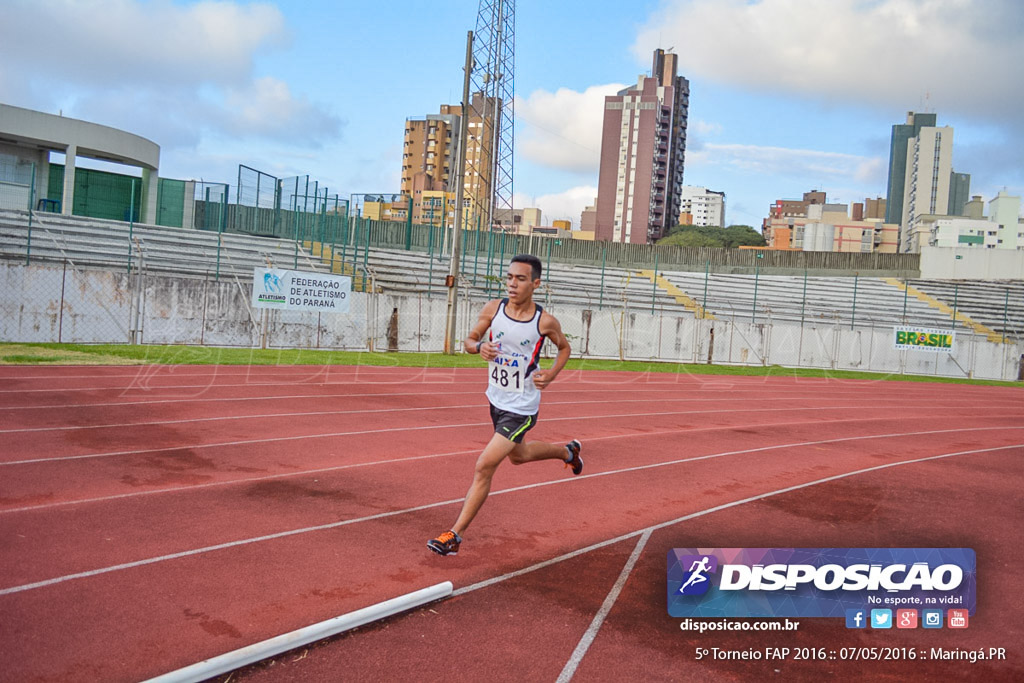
[[510, 376]]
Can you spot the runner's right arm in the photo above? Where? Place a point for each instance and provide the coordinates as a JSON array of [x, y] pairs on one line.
[[487, 350]]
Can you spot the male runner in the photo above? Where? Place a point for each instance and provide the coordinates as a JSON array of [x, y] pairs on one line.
[[517, 328]]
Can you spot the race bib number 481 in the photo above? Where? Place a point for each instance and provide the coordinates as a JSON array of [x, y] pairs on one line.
[[504, 376]]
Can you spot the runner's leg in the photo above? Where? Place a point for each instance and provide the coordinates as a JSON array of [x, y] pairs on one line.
[[536, 450], [494, 452]]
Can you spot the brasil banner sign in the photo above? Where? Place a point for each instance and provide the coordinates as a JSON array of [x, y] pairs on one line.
[[923, 339]]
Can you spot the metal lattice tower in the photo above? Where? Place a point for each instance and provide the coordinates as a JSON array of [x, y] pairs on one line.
[[493, 98]]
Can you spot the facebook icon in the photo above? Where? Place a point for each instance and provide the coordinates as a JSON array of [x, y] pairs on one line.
[[856, 618]]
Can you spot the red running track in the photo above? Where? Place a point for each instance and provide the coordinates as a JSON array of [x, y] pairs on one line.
[[152, 518]]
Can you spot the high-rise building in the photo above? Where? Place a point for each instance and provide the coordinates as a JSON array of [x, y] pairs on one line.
[[901, 134], [959, 193], [666, 66], [701, 206], [926, 183], [643, 145], [430, 154]]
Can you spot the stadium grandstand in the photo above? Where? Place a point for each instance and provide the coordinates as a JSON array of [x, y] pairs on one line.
[[993, 309]]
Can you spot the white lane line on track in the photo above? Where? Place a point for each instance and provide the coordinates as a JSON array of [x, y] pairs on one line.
[[454, 501], [191, 399], [733, 395], [264, 416], [151, 371], [207, 387], [321, 470], [588, 637], [375, 410], [574, 385], [646, 532], [300, 437], [283, 475], [282, 376]]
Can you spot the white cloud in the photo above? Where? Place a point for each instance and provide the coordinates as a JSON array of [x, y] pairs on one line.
[[563, 129], [173, 73], [128, 41], [268, 107], [799, 163], [703, 128], [566, 205], [968, 57]]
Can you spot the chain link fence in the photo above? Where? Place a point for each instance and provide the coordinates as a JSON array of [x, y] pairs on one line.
[[66, 303], [104, 281]]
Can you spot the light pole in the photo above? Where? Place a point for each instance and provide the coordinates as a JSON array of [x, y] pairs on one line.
[[453, 273]]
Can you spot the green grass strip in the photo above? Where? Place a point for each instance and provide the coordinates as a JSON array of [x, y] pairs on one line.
[[122, 354]]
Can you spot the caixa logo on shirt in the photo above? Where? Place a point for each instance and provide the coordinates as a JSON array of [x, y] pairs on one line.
[[766, 582]]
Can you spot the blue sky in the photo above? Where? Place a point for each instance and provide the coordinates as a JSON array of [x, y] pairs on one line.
[[786, 95]]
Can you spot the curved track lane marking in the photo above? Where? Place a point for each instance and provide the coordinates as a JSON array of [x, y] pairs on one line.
[[482, 404], [591, 633], [571, 389], [453, 501], [429, 456], [331, 435]]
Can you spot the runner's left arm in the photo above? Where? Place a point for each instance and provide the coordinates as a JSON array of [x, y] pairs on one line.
[[552, 329]]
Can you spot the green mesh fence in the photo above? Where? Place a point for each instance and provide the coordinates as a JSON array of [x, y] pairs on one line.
[[257, 203], [211, 207], [99, 194], [170, 202]]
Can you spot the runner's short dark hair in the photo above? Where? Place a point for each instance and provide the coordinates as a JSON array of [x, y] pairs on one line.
[[531, 261]]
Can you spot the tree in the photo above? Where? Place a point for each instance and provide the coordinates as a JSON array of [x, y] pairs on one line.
[[713, 236], [743, 235], [690, 238]]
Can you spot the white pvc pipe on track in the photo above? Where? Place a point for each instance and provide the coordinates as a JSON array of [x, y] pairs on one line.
[[303, 636]]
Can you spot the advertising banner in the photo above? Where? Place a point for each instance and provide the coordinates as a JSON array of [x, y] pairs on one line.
[[818, 582], [923, 339], [294, 290]]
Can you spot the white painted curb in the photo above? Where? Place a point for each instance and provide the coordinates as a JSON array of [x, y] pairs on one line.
[[303, 636]]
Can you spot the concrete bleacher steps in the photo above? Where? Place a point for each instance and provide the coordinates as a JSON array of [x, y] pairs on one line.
[[997, 305], [101, 243], [947, 311], [678, 294], [992, 309], [845, 301]]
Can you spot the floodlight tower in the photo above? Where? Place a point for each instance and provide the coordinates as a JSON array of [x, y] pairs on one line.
[[485, 166], [494, 79]]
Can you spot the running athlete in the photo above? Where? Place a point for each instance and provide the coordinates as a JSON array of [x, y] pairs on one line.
[[516, 328]]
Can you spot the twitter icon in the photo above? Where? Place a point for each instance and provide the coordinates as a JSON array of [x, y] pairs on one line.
[[881, 618]]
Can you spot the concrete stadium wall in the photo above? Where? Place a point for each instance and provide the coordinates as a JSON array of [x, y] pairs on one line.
[[939, 263], [55, 304]]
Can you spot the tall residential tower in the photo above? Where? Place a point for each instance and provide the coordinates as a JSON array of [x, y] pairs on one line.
[[925, 184], [429, 159], [643, 146], [901, 133]]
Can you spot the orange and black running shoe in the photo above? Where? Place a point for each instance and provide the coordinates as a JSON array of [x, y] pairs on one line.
[[445, 544]]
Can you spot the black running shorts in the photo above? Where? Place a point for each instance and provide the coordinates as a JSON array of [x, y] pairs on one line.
[[512, 426]]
